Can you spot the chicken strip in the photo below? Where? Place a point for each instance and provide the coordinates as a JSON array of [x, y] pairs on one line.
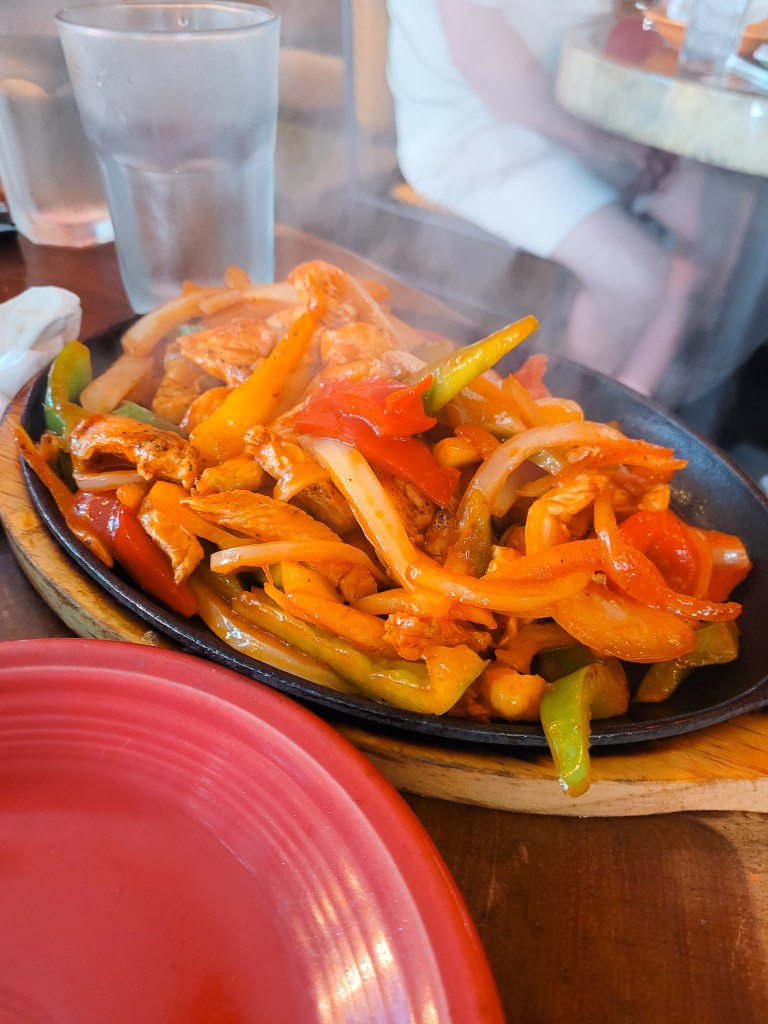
[[278, 456], [101, 440], [429, 526], [239, 473], [266, 519], [413, 636], [353, 341], [230, 351], [183, 549], [182, 382]]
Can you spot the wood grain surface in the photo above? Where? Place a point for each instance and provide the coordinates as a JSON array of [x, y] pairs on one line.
[[724, 767]]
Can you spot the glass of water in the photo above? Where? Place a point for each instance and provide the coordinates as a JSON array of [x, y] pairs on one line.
[[179, 101], [48, 170]]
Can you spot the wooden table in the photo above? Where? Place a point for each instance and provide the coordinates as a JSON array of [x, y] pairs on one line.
[[660, 918]]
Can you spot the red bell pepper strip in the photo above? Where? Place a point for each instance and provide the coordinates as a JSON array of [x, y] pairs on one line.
[[631, 571], [62, 496], [730, 563], [673, 547], [391, 408], [134, 549], [378, 417]]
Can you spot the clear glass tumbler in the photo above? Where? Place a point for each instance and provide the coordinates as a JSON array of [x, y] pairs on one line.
[[179, 101], [48, 170], [712, 35]]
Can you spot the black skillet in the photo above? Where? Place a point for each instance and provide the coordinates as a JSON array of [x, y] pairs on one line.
[[710, 492]]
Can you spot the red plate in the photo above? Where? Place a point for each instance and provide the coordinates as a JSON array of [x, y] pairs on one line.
[[180, 845]]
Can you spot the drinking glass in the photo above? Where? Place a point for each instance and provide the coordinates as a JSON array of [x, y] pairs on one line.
[[47, 168], [179, 101], [712, 35]]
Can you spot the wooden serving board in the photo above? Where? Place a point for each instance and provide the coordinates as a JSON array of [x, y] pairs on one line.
[[724, 767]]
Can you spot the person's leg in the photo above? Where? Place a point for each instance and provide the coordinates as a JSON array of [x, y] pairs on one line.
[[629, 316]]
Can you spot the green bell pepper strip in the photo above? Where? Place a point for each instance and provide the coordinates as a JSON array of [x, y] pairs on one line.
[[430, 687], [455, 371], [596, 690], [69, 373], [140, 412], [556, 662], [474, 536], [716, 644], [216, 611]]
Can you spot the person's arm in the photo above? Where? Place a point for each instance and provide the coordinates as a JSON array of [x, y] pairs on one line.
[[501, 70]]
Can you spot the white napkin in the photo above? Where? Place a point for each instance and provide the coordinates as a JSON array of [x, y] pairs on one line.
[[34, 326]]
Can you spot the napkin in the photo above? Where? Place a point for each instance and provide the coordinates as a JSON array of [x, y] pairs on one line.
[[34, 326]]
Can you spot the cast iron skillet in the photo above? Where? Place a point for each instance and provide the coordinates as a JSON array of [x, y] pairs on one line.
[[710, 493]]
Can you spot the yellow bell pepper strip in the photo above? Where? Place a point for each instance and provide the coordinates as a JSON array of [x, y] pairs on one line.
[[529, 640], [567, 708], [301, 577], [453, 373], [429, 687], [615, 625], [239, 634], [716, 644], [69, 374], [364, 630], [514, 695], [132, 494], [62, 496], [134, 550], [220, 435], [634, 573]]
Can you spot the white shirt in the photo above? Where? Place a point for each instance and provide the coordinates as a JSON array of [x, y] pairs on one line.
[[451, 148]]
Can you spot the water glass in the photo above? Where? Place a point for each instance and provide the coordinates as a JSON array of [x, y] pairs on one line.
[[47, 168], [179, 101], [713, 35]]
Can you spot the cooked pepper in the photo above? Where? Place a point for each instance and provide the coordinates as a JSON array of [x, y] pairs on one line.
[[220, 435], [556, 662], [139, 412], [453, 373], [62, 496], [378, 417], [474, 536], [70, 372], [134, 549], [682, 558], [390, 407], [716, 644], [216, 612], [597, 690], [430, 687], [633, 572]]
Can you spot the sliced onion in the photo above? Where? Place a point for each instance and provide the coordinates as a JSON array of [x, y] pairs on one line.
[[108, 390], [107, 481]]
